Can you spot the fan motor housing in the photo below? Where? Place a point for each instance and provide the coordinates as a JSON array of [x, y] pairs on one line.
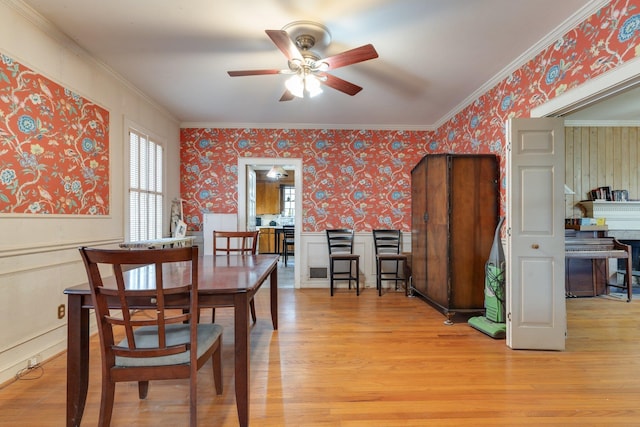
[[307, 35]]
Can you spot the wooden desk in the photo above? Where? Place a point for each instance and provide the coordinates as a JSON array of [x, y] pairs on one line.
[[223, 281]]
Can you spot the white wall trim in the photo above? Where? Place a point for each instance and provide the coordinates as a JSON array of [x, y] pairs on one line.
[[41, 248], [314, 254], [307, 126], [296, 163]]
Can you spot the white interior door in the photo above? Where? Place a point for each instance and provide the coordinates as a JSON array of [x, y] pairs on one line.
[[251, 199], [536, 311]]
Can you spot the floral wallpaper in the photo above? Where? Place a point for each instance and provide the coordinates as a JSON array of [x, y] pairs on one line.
[[362, 179], [54, 147], [351, 178]]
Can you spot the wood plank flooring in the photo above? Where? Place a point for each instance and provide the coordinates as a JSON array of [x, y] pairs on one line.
[[380, 361]]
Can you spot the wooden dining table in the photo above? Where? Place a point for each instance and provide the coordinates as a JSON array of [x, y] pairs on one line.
[[223, 281]]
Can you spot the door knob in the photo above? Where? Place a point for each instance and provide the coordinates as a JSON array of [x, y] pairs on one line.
[[535, 246]]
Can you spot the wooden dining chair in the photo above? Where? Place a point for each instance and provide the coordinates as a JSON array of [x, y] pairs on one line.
[[389, 258], [163, 344], [342, 258], [239, 243], [288, 241]]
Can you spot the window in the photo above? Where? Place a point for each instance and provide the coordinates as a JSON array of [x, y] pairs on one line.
[[146, 195], [288, 200]]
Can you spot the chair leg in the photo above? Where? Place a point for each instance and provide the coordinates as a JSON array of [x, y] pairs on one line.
[[106, 402], [357, 278], [396, 275], [143, 389], [378, 277], [252, 308], [216, 362], [331, 276], [193, 398]]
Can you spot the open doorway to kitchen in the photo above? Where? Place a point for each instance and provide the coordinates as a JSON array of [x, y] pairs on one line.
[[248, 166]]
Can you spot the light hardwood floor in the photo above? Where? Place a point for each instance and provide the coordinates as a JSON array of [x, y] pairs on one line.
[[380, 361]]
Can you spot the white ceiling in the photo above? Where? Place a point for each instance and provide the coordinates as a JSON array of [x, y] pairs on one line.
[[434, 54]]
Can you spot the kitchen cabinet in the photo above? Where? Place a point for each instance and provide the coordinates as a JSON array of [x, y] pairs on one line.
[[266, 240], [267, 198], [454, 203]]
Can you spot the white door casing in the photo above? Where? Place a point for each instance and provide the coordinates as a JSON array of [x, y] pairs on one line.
[[536, 311], [251, 199], [296, 164]]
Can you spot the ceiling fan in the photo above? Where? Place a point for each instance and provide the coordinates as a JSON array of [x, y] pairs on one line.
[[307, 68]]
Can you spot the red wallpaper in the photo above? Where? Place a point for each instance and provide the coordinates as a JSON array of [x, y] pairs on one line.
[[54, 147], [352, 178], [361, 179]]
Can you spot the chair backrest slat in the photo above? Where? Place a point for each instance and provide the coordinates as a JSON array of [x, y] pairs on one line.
[[387, 241], [340, 240], [146, 283], [240, 242], [289, 233]]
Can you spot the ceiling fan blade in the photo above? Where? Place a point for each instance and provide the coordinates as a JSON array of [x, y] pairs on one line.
[[285, 44], [353, 56], [339, 84], [252, 72], [287, 96]]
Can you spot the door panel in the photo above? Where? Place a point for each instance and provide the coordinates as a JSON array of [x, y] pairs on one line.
[[437, 229], [418, 228], [536, 314]]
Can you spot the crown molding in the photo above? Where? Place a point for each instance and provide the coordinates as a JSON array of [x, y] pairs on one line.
[[570, 23], [217, 125]]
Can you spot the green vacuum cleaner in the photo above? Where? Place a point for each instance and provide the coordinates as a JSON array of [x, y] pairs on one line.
[[493, 322]]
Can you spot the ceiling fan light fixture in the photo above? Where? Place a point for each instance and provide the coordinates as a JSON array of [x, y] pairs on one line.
[[308, 69], [277, 172], [295, 85], [298, 85], [312, 85]]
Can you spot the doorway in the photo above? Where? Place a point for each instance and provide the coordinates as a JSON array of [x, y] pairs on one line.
[[248, 164], [587, 98]]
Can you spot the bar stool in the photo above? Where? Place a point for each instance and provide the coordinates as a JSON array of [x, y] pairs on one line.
[[288, 241], [340, 242], [388, 245]]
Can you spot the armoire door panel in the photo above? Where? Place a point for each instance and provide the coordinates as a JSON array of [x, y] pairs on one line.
[[462, 203]]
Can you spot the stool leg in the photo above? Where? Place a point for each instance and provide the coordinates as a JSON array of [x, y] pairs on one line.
[[379, 278], [331, 276], [357, 277]]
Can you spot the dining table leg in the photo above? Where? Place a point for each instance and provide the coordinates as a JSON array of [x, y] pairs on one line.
[[274, 297], [77, 359], [242, 374]]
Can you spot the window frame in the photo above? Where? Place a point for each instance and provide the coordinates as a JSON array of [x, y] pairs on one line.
[[284, 190], [151, 192]]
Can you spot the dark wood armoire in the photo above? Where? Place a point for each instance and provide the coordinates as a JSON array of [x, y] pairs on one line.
[[455, 208]]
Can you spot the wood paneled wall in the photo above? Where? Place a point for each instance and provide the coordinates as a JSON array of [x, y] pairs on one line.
[[601, 156]]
